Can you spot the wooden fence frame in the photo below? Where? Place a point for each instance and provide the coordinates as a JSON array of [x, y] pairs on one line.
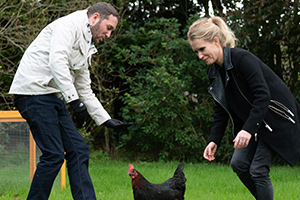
[[15, 116]]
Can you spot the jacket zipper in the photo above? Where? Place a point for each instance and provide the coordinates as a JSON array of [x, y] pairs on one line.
[[266, 125], [212, 94], [283, 106], [281, 112]]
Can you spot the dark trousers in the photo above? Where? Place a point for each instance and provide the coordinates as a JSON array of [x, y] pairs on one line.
[[252, 165], [54, 132]]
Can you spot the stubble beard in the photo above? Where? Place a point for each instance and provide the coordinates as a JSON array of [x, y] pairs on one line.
[[95, 31]]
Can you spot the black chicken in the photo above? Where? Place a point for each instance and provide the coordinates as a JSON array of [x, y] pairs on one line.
[[171, 189]]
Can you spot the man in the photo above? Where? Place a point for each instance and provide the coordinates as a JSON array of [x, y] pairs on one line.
[[55, 68]]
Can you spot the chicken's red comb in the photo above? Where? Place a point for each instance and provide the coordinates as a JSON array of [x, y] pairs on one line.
[[131, 167]]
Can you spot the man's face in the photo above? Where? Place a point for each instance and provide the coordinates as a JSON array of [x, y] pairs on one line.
[[102, 29]]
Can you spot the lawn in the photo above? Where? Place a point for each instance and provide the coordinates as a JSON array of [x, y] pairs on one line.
[[207, 181]]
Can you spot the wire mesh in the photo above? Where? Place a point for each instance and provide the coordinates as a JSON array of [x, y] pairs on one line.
[[14, 145]]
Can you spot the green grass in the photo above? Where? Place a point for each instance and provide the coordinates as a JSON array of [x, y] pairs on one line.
[[207, 181]]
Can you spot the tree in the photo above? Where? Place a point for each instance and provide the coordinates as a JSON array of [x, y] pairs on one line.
[[269, 29], [20, 23], [147, 73]]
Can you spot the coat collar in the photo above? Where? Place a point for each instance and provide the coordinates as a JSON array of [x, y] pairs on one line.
[[227, 58], [86, 29], [212, 69]]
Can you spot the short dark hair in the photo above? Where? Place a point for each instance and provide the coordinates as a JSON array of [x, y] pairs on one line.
[[104, 9]]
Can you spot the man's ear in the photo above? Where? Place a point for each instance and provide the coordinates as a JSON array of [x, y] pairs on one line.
[[94, 19]]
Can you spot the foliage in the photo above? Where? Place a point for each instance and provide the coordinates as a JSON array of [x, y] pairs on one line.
[[20, 22], [269, 29], [147, 73], [87, 136], [164, 93]]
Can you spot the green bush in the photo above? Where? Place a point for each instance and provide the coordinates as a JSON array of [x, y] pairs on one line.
[[147, 73], [166, 101]]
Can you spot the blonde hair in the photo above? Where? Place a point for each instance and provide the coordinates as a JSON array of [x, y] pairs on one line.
[[208, 28]]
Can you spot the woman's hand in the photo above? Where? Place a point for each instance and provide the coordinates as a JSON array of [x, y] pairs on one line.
[[210, 150], [242, 139]]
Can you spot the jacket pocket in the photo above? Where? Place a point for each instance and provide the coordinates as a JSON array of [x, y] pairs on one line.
[[78, 60]]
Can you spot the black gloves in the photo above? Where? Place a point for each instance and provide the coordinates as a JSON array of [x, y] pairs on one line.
[[79, 112], [115, 123]]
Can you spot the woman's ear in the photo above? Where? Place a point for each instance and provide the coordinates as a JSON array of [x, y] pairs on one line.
[[217, 41]]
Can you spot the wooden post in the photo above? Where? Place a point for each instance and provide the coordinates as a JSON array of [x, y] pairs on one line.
[[63, 176], [32, 156]]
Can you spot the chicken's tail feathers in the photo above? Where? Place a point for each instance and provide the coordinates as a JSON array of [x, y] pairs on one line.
[[179, 169], [181, 166], [179, 174], [179, 179]]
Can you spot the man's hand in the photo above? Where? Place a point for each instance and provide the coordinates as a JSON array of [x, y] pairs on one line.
[[115, 123], [210, 150], [79, 112], [242, 139]]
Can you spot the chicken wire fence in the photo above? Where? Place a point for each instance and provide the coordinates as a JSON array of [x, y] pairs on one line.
[[14, 146]]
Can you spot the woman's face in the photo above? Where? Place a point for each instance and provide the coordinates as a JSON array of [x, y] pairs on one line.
[[209, 52]]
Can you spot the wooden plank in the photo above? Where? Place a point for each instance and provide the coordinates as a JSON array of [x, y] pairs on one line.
[[63, 176], [11, 116], [32, 156]]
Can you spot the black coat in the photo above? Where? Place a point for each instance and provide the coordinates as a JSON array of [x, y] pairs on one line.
[[256, 100]]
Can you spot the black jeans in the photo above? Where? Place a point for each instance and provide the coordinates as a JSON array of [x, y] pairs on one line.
[[252, 165], [54, 132]]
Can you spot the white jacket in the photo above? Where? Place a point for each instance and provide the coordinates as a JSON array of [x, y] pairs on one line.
[[57, 62]]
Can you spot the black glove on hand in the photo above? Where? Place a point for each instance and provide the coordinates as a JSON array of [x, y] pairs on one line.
[[80, 112], [115, 123]]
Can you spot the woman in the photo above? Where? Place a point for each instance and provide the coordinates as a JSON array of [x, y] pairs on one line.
[[264, 112]]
